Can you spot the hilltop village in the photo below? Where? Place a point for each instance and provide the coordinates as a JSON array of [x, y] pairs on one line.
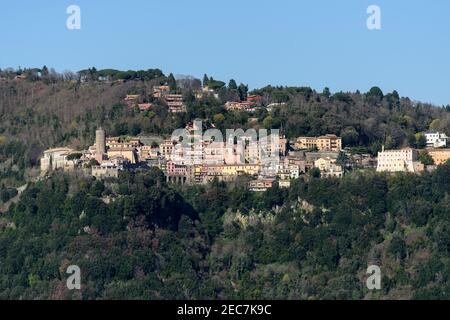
[[323, 156], [169, 183], [202, 160]]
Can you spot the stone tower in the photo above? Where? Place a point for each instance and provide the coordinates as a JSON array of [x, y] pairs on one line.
[[100, 142]]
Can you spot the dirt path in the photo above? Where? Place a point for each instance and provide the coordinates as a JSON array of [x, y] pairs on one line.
[[5, 206]]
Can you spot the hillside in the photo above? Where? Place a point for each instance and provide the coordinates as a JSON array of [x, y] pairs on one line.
[[150, 241], [47, 114], [138, 237]]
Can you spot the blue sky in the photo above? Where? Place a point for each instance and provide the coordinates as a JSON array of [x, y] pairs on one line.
[[313, 43]]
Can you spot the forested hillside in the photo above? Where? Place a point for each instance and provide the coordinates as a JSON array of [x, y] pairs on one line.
[[136, 237]]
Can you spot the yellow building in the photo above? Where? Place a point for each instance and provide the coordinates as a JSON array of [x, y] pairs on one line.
[[125, 152], [440, 156], [234, 170], [329, 142], [166, 149]]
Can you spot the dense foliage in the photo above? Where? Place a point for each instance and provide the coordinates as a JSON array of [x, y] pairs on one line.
[[137, 237]]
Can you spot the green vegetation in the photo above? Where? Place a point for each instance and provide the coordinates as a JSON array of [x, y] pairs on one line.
[[151, 241], [138, 237], [425, 158]]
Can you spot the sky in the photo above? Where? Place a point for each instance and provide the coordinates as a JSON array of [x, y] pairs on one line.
[[316, 43]]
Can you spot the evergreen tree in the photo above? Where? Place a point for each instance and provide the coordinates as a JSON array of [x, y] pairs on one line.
[[232, 85], [172, 83]]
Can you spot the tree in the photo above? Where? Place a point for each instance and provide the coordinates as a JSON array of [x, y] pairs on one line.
[[74, 156], [314, 172], [97, 188], [44, 72], [350, 137], [215, 84], [425, 158], [435, 124], [172, 83], [267, 122], [395, 95], [375, 92], [232, 85], [421, 141], [342, 159], [219, 118], [205, 80], [243, 90], [397, 247]]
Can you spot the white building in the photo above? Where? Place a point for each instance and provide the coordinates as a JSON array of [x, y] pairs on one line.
[[54, 159], [328, 167], [404, 160], [436, 139]]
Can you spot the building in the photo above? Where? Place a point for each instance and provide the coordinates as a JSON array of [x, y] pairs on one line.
[[440, 156], [255, 99], [128, 149], [105, 171], [329, 142], [57, 158], [329, 168], [100, 145], [263, 150], [160, 91], [362, 161], [311, 157], [239, 106], [288, 172], [240, 169], [404, 160], [436, 139], [166, 149], [271, 106], [132, 97], [179, 173], [284, 184], [144, 106], [260, 185], [125, 152], [148, 152], [175, 103], [296, 161]]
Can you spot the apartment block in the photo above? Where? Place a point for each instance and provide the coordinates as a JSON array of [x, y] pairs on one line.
[[175, 103], [329, 142], [404, 160]]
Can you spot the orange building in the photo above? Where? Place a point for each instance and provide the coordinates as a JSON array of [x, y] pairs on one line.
[[329, 142], [440, 156]]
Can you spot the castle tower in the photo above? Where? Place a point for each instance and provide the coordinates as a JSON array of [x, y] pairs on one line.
[[100, 144]]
